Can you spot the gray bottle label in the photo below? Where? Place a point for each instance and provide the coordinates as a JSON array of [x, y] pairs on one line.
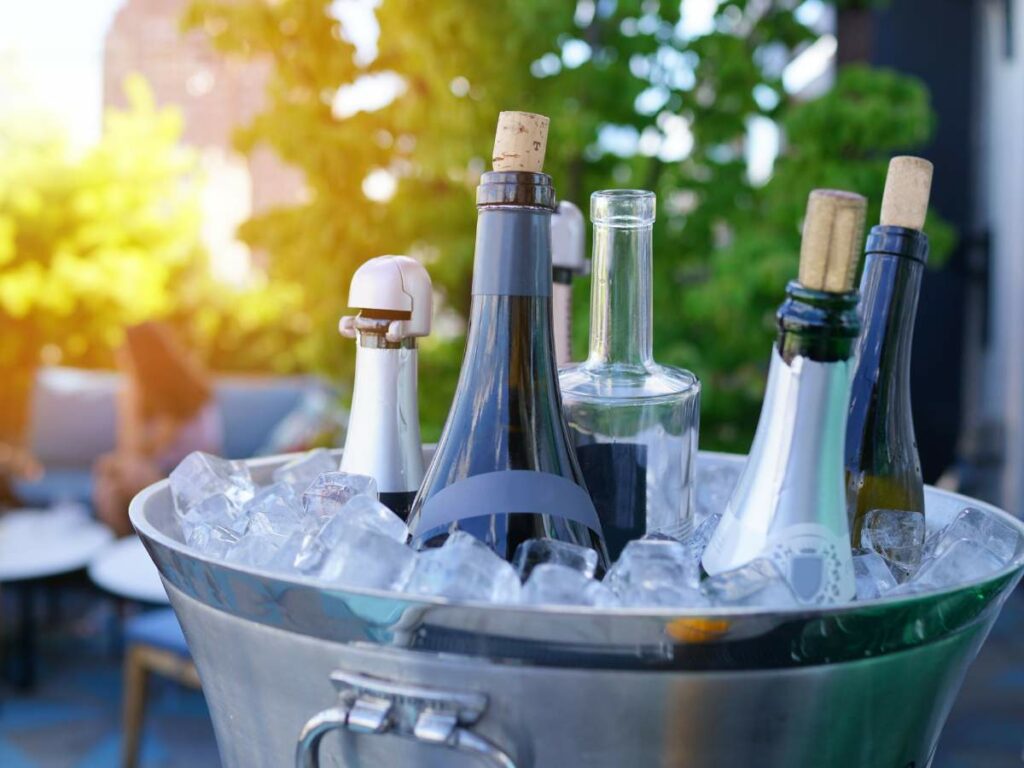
[[513, 253], [508, 492]]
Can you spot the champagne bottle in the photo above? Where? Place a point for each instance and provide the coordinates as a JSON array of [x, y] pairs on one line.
[[394, 297], [789, 504], [883, 470], [505, 469], [634, 421], [567, 262]]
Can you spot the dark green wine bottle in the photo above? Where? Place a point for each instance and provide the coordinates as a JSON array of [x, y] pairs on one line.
[[883, 469]]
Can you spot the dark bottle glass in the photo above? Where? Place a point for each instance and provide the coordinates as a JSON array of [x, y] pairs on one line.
[[883, 469], [505, 469]]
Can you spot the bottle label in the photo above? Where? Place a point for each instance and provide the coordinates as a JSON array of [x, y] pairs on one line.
[[511, 491], [513, 253], [616, 476], [815, 561]]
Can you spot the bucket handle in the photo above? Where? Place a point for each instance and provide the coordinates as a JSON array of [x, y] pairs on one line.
[[373, 705]]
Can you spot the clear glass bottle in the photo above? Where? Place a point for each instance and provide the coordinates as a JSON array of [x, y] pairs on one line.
[[634, 422]]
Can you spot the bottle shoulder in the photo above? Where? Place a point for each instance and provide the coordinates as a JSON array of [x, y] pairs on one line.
[[611, 381]]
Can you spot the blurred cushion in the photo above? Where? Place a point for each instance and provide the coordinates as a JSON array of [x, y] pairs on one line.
[[158, 628], [73, 416], [55, 486], [317, 420], [252, 406]]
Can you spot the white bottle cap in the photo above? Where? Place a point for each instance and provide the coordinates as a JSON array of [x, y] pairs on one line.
[[567, 239], [392, 284]]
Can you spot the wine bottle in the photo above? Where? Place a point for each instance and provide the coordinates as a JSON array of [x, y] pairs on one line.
[[505, 470], [883, 470], [789, 504], [634, 422], [394, 297], [567, 261]]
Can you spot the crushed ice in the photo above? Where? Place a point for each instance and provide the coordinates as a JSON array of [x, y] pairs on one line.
[[317, 522]]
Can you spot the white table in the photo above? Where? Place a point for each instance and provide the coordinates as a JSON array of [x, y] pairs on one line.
[[40, 543], [125, 569]]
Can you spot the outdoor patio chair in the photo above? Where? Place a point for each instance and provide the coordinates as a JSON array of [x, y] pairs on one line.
[[155, 645]]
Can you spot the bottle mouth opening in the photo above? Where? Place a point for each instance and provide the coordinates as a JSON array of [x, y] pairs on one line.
[[625, 208], [515, 188]]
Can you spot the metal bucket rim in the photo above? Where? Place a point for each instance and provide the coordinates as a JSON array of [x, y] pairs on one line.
[[148, 531]]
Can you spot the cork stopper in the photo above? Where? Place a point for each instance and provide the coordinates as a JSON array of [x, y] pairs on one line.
[[520, 142], [907, 187], [833, 227]]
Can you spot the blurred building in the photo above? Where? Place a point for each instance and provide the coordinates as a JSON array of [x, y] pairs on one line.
[[216, 95], [968, 368]]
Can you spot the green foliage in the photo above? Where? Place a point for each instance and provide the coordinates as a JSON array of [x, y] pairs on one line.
[[91, 243], [842, 140], [724, 246]]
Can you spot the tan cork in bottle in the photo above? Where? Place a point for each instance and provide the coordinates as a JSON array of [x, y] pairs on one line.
[[520, 142], [908, 186], [833, 230]]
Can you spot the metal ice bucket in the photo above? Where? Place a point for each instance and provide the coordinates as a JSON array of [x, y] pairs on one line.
[[295, 672]]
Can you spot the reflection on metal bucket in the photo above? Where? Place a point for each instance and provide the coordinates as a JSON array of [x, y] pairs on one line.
[[443, 685]]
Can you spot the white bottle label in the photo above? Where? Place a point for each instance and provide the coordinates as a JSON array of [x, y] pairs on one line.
[[815, 561]]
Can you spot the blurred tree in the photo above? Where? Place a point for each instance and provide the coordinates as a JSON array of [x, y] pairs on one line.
[[90, 243], [659, 95]]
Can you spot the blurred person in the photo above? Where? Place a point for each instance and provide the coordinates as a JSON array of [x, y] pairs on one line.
[[166, 410], [15, 464]]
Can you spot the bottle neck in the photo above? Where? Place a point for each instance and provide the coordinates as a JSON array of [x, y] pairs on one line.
[[620, 298], [890, 287], [383, 437], [818, 325], [513, 252]]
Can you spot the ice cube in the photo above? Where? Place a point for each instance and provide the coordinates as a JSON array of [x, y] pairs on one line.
[[654, 572], [367, 512], [325, 533], [364, 559], [301, 472], [533, 552], [200, 475], [872, 575], [898, 536], [211, 540], [553, 584], [959, 562], [332, 490], [255, 549], [713, 489], [697, 541], [983, 528], [275, 510], [216, 510], [464, 568], [758, 583], [284, 559]]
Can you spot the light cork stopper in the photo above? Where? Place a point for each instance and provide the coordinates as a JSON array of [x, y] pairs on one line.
[[907, 187], [520, 142], [833, 228]]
